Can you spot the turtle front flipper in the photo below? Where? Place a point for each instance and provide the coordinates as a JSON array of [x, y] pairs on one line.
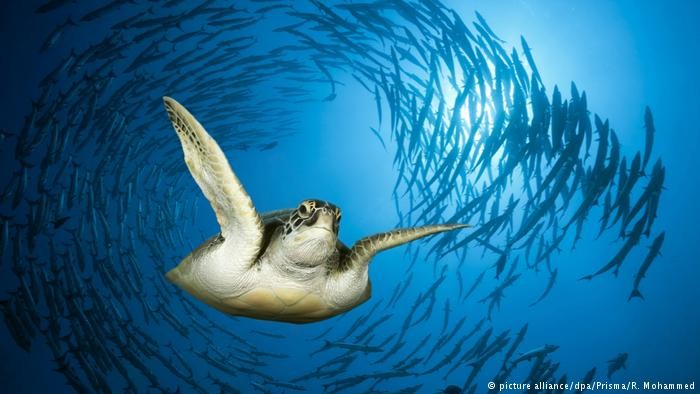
[[348, 283], [234, 209], [359, 256]]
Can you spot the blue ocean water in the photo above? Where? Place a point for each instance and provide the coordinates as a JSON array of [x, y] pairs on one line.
[[624, 55]]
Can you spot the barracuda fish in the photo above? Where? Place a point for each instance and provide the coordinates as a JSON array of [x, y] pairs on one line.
[[535, 353], [654, 251], [52, 5], [617, 363], [550, 285], [56, 35]]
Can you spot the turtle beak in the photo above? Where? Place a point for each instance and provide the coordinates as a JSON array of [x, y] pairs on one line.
[[336, 222], [327, 221]]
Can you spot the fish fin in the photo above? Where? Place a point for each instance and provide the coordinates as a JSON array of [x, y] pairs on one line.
[[635, 294]]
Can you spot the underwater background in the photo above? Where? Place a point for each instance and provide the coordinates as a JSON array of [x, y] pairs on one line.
[[401, 113]]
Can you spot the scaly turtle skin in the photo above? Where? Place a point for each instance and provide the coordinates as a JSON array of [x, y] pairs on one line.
[[285, 265]]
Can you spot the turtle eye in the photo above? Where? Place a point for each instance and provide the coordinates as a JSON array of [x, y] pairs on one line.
[[304, 210]]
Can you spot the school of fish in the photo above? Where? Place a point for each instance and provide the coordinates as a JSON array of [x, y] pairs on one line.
[[95, 201]]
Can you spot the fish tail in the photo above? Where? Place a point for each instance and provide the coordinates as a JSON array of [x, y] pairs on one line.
[[635, 294]]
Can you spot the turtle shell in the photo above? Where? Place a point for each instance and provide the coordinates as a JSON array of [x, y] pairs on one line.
[[285, 304]]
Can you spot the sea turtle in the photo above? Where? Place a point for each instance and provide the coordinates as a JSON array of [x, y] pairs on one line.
[[285, 265]]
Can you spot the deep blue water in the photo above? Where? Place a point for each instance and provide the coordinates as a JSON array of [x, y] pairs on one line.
[[625, 55]]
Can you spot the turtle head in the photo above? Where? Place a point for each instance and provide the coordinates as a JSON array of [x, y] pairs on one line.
[[311, 232]]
